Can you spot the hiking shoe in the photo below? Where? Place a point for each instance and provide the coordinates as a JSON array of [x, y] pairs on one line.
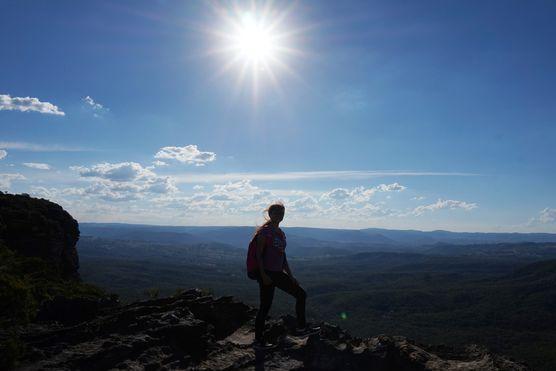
[[307, 330], [262, 344]]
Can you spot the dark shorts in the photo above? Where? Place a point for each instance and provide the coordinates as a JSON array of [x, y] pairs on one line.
[[256, 274]]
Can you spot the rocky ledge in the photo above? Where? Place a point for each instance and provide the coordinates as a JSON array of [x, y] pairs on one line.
[[193, 331]]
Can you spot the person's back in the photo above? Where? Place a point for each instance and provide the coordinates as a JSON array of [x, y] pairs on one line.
[[274, 254]]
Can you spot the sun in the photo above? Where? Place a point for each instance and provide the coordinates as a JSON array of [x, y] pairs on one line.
[[253, 42], [256, 46]]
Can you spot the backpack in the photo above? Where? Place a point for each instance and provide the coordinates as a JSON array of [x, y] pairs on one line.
[[252, 263]]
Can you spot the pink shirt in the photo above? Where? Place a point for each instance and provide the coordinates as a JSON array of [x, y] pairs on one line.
[[274, 254]]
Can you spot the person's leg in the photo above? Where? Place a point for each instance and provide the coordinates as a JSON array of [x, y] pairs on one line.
[[284, 282], [266, 294]]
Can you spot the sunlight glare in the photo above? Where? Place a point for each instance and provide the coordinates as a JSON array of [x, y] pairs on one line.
[[256, 44], [253, 41]]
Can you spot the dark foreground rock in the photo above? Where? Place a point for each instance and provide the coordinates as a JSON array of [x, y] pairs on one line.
[[36, 227], [192, 331]]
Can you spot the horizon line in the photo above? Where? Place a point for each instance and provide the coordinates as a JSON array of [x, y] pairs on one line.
[[350, 229]]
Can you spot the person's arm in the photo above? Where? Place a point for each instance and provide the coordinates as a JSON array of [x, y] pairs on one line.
[[261, 242], [287, 268]]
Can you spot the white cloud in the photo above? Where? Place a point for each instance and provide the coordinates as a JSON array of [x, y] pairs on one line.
[[97, 108], [189, 154], [159, 163], [359, 194], [337, 194], [124, 191], [394, 187], [113, 191], [418, 198], [231, 198], [119, 172], [157, 200], [160, 185], [40, 147], [546, 216], [37, 165], [242, 198], [25, 104], [444, 204], [123, 181], [90, 102], [305, 204], [7, 179], [3, 154], [198, 187]]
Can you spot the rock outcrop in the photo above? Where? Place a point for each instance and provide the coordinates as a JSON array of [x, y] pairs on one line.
[[39, 228], [192, 331]]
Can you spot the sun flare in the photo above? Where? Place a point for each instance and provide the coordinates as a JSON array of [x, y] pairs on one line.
[[253, 42], [256, 45]]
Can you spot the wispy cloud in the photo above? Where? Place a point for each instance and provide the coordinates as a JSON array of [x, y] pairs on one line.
[[304, 175], [189, 154], [27, 104], [96, 108], [37, 165], [546, 216], [7, 179], [3, 154], [444, 204], [33, 147]]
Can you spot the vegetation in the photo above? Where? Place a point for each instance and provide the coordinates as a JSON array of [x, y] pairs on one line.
[[500, 301], [25, 284]]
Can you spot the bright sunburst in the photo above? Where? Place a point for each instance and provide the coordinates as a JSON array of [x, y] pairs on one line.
[[256, 44]]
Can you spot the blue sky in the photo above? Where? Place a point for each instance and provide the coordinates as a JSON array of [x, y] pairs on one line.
[[426, 115]]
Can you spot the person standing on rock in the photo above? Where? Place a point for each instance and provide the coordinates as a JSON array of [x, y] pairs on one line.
[[274, 271]]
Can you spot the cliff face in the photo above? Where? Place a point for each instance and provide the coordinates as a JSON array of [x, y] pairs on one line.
[[191, 331], [40, 228]]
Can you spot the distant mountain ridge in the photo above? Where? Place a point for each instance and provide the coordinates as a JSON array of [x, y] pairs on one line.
[[314, 237]]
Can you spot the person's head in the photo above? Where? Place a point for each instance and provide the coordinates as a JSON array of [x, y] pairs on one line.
[[276, 212]]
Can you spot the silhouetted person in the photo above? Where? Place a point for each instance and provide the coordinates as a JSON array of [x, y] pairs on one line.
[[272, 262]]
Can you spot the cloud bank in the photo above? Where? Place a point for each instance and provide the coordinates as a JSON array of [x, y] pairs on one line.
[[122, 181]]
